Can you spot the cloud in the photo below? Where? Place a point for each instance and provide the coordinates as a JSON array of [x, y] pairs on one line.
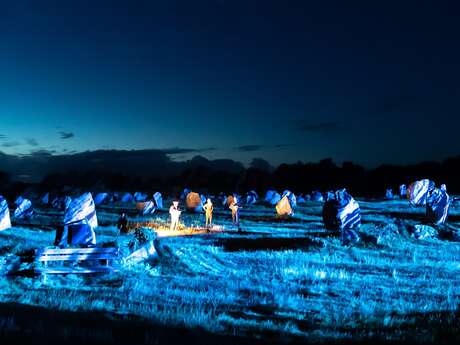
[[11, 144], [181, 150], [31, 142], [66, 135], [249, 148], [282, 146], [66, 151], [321, 127], [42, 152], [254, 148]]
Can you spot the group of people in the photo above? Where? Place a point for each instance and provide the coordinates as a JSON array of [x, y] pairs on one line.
[[208, 208], [175, 213]]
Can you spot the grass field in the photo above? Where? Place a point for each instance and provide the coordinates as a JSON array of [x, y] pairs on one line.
[[284, 280]]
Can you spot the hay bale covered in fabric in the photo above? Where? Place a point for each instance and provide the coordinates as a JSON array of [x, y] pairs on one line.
[[101, 198], [79, 222], [67, 201], [139, 197], [24, 210], [251, 197], [389, 194], [145, 207], [194, 202], [341, 211], [114, 197], [302, 199], [418, 191], [158, 200], [184, 194], [283, 207], [5, 221], [127, 197], [18, 200], [402, 191], [317, 196], [292, 198], [61, 203], [437, 205], [272, 197], [45, 199], [56, 203]]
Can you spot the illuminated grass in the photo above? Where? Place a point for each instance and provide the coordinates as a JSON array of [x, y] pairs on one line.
[[390, 285]]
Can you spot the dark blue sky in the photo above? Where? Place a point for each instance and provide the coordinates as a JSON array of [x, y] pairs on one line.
[[373, 82]]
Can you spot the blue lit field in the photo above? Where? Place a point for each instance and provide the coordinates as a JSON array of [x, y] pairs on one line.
[[279, 280]]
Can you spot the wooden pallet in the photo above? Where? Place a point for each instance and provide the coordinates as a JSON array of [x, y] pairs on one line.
[[75, 260]]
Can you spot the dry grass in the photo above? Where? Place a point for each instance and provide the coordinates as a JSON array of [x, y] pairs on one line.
[[308, 287]]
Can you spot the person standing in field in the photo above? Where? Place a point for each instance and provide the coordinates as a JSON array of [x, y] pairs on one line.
[[175, 215], [122, 224], [208, 208], [235, 212]]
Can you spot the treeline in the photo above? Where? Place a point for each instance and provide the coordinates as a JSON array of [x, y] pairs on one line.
[[300, 178]]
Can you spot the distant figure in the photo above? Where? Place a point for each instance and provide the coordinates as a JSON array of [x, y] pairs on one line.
[[175, 214], [122, 224], [208, 208], [235, 212]]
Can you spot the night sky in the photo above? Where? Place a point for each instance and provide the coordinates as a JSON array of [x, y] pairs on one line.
[[372, 82]]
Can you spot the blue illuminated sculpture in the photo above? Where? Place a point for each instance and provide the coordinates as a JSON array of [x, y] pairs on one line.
[[184, 194], [19, 200], [402, 191], [418, 192], [146, 207], [45, 199], [437, 205], [127, 197], [341, 212], [101, 198], [79, 222], [5, 221], [114, 197], [138, 197], [272, 197], [158, 200], [251, 197], [301, 199], [291, 197], [389, 194], [24, 209], [61, 203]]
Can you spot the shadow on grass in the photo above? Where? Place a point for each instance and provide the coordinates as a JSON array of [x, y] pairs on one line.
[[21, 324], [235, 244]]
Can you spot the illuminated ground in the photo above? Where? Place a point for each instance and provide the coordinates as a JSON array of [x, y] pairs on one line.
[[284, 280]]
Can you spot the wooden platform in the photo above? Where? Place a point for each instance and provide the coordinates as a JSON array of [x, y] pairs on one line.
[[75, 260]]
